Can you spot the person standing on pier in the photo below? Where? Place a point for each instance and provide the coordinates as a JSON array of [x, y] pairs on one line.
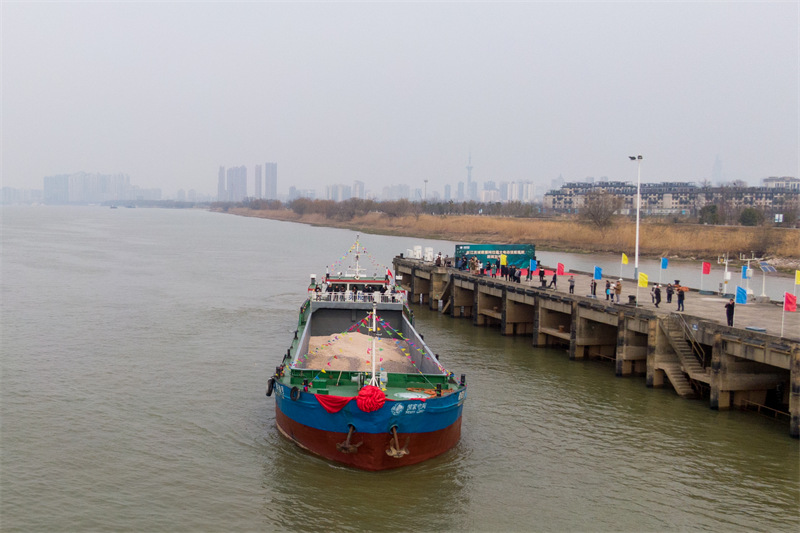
[[657, 294], [608, 288], [618, 289], [554, 283], [572, 284], [670, 291], [593, 288], [681, 296], [729, 311]]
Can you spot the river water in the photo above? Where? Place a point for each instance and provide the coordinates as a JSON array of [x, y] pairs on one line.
[[136, 345]]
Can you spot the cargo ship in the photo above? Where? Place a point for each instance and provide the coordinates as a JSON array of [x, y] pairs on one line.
[[358, 385]]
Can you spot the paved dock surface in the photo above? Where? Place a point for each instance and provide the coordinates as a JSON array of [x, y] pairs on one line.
[[765, 317]]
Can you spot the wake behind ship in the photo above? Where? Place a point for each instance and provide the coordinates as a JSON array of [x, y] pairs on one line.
[[358, 385]]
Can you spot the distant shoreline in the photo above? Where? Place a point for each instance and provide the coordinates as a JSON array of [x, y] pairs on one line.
[[676, 241]]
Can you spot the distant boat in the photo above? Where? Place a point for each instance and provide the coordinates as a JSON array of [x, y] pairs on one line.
[[113, 207], [358, 385]]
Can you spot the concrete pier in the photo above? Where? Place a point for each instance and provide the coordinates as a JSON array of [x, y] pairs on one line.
[[749, 366]]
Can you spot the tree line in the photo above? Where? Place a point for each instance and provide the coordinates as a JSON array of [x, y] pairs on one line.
[[600, 209]]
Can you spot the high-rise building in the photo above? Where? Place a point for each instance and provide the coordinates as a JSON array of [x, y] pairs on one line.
[[237, 183], [469, 174], [258, 182], [56, 189], [716, 171], [222, 193], [447, 193], [338, 192], [271, 181], [472, 193], [359, 190], [85, 188]]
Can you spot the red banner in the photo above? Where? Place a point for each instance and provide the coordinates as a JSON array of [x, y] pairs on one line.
[[789, 302], [706, 268], [560, 269], [332, 404]]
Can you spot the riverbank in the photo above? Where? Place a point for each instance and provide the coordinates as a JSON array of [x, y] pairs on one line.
[[656, 239]]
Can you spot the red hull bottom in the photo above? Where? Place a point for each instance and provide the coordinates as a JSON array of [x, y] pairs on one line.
[[371, 455]]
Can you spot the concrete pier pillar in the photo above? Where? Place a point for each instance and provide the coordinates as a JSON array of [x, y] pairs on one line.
[[505, 327], [410, 287], [620, 363], [652, 342], [575, 351], [477, 319], [538, 339], [794, 394], [652, 345], [720, 399]]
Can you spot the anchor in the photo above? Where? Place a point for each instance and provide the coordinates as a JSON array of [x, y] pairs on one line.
[[346, 447], [394, 446]]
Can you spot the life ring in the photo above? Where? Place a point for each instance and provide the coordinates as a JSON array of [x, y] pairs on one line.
[[270, 386], [295, 394]]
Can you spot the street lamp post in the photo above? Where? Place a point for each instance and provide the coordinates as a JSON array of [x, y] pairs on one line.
[[638, 207]]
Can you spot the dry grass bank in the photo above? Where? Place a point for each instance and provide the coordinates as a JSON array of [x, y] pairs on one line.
[[655, 239]]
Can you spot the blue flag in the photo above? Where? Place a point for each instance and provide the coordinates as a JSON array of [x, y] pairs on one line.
[[533, 264], [664, 263], [598, 273], [741, 295]]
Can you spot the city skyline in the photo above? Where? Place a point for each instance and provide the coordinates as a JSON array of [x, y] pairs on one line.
[[339, 93], [233, 186]]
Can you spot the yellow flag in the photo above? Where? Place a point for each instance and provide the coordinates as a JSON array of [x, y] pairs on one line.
[[642, 279], [797, 277], [624, 259]]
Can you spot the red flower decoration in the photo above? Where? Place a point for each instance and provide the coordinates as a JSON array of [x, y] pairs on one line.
[[370, 398]]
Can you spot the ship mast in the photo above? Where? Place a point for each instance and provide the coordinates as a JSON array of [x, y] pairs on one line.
[[374, 328], [357, 272]]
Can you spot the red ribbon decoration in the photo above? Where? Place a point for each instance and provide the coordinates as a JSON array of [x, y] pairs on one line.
[[370, 398]]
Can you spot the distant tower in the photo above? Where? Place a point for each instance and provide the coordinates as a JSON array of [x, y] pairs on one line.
[[469, 171], [271, 181], [258, 182], [222, 193], [716, 171]]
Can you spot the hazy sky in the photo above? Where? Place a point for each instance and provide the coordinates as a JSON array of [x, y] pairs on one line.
[[399, 92]]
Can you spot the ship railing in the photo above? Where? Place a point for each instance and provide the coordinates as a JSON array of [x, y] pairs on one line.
[[349, 296]]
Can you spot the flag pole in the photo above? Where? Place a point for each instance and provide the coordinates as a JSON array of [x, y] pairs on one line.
[[794, 293], [783, 313], [702, 274]]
